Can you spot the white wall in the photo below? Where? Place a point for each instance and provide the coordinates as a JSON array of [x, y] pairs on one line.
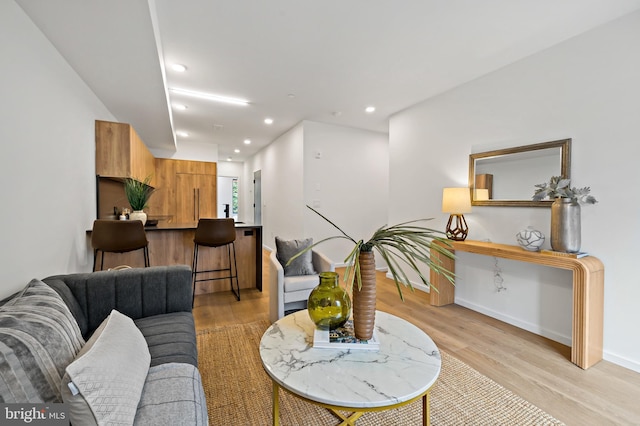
[[349, 184], [586, 88], [47, 166], [282, 187], [350, 178]]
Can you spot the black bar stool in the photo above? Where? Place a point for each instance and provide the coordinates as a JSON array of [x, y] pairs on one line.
[[118, 236], [216, 233]]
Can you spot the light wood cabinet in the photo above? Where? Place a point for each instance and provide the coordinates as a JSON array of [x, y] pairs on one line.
[[120, 153], [186, 191], [195, 197]]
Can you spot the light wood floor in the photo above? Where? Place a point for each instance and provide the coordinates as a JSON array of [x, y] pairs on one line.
[[531, 366]]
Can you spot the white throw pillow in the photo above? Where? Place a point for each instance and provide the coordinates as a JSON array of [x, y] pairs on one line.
[[104, 383]]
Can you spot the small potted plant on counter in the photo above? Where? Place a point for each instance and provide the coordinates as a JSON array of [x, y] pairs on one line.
[[138, 194]]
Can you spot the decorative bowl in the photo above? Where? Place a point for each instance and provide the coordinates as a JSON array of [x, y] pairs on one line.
[[530, 239]]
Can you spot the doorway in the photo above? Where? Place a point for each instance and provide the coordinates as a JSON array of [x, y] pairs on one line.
[[257, 197], [228, 197]]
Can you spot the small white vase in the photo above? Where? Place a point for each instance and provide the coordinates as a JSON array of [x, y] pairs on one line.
[[530, 239], [138, 215]]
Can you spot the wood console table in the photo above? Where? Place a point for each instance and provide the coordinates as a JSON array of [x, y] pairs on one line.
[[588, 292]]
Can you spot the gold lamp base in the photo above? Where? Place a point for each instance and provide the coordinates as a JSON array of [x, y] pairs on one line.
[[459, 231]]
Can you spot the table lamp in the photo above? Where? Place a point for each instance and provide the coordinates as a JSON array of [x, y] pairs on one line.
[[482, 194], [456, 201]]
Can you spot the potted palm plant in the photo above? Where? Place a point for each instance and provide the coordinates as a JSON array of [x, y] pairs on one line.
[[138, 194], [405, 245]]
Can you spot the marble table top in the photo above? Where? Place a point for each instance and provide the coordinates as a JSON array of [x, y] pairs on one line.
[[406, 366]]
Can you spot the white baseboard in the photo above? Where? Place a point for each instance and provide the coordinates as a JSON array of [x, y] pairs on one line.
[[624, 362], [415, 285], [534, 328]]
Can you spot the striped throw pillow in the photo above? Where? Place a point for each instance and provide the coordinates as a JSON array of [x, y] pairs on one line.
[[38, 339]]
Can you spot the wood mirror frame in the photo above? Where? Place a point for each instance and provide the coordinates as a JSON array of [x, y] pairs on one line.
[[485, 180]]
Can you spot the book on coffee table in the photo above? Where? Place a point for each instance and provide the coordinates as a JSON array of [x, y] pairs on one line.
[[344, 338]]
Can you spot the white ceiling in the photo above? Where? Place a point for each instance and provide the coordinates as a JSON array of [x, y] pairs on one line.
[[294, 60]]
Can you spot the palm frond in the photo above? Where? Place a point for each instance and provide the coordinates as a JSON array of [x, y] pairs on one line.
[[405, 245]]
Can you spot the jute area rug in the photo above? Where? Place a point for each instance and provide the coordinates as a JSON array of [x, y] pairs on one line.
[[239, 392]]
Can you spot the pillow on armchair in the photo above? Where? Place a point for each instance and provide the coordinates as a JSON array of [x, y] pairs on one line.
[[302, 265]]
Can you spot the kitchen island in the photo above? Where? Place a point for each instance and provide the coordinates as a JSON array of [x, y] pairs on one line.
[[172, 244]]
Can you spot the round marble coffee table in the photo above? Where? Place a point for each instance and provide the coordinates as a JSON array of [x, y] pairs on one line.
[[402, 371]]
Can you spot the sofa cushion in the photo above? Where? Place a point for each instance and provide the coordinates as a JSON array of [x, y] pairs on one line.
[[104, 383], [172, 395], [301, 282], [39, 337], [135, 292], [170, 337], [303, 264]]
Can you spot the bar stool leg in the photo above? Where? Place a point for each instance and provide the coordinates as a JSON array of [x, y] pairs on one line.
[[231, 274], [194, 269]]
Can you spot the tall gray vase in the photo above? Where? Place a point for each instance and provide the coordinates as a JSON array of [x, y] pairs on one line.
[[565, 225]]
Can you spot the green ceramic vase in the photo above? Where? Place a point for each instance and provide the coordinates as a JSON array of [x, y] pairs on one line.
[[329, 304]]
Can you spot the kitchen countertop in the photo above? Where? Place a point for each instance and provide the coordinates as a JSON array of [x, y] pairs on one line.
[[186, 226]]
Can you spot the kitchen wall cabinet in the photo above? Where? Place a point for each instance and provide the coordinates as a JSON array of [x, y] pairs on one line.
[[185, 190], [120, 153]]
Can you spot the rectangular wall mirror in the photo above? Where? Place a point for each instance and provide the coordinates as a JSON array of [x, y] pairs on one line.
[[506, 177]]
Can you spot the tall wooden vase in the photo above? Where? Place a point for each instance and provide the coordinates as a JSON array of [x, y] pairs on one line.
[[364, 299]]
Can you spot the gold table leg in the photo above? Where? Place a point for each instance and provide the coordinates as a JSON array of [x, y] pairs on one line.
[[426, 409], [275, 399], [347, 420], [350, 420]]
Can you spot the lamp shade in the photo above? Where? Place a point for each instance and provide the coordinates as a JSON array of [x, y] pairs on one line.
[[456, 200], [481, 194]]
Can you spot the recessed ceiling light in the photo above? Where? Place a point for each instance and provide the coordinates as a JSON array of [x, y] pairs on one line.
[[210, 97], [178, 67], [291, 96], [228, 158], [182, 133], [237, 151], [268, 120], [180, 106], [370, 109], [247, 141]]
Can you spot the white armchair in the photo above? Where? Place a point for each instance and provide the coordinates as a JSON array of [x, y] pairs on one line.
[[292, 292]]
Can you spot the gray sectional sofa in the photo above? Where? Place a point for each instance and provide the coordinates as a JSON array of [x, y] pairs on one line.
[[121, 343]]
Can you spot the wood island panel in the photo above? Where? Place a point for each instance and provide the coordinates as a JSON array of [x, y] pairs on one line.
[[588, 292], [173, 245]]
